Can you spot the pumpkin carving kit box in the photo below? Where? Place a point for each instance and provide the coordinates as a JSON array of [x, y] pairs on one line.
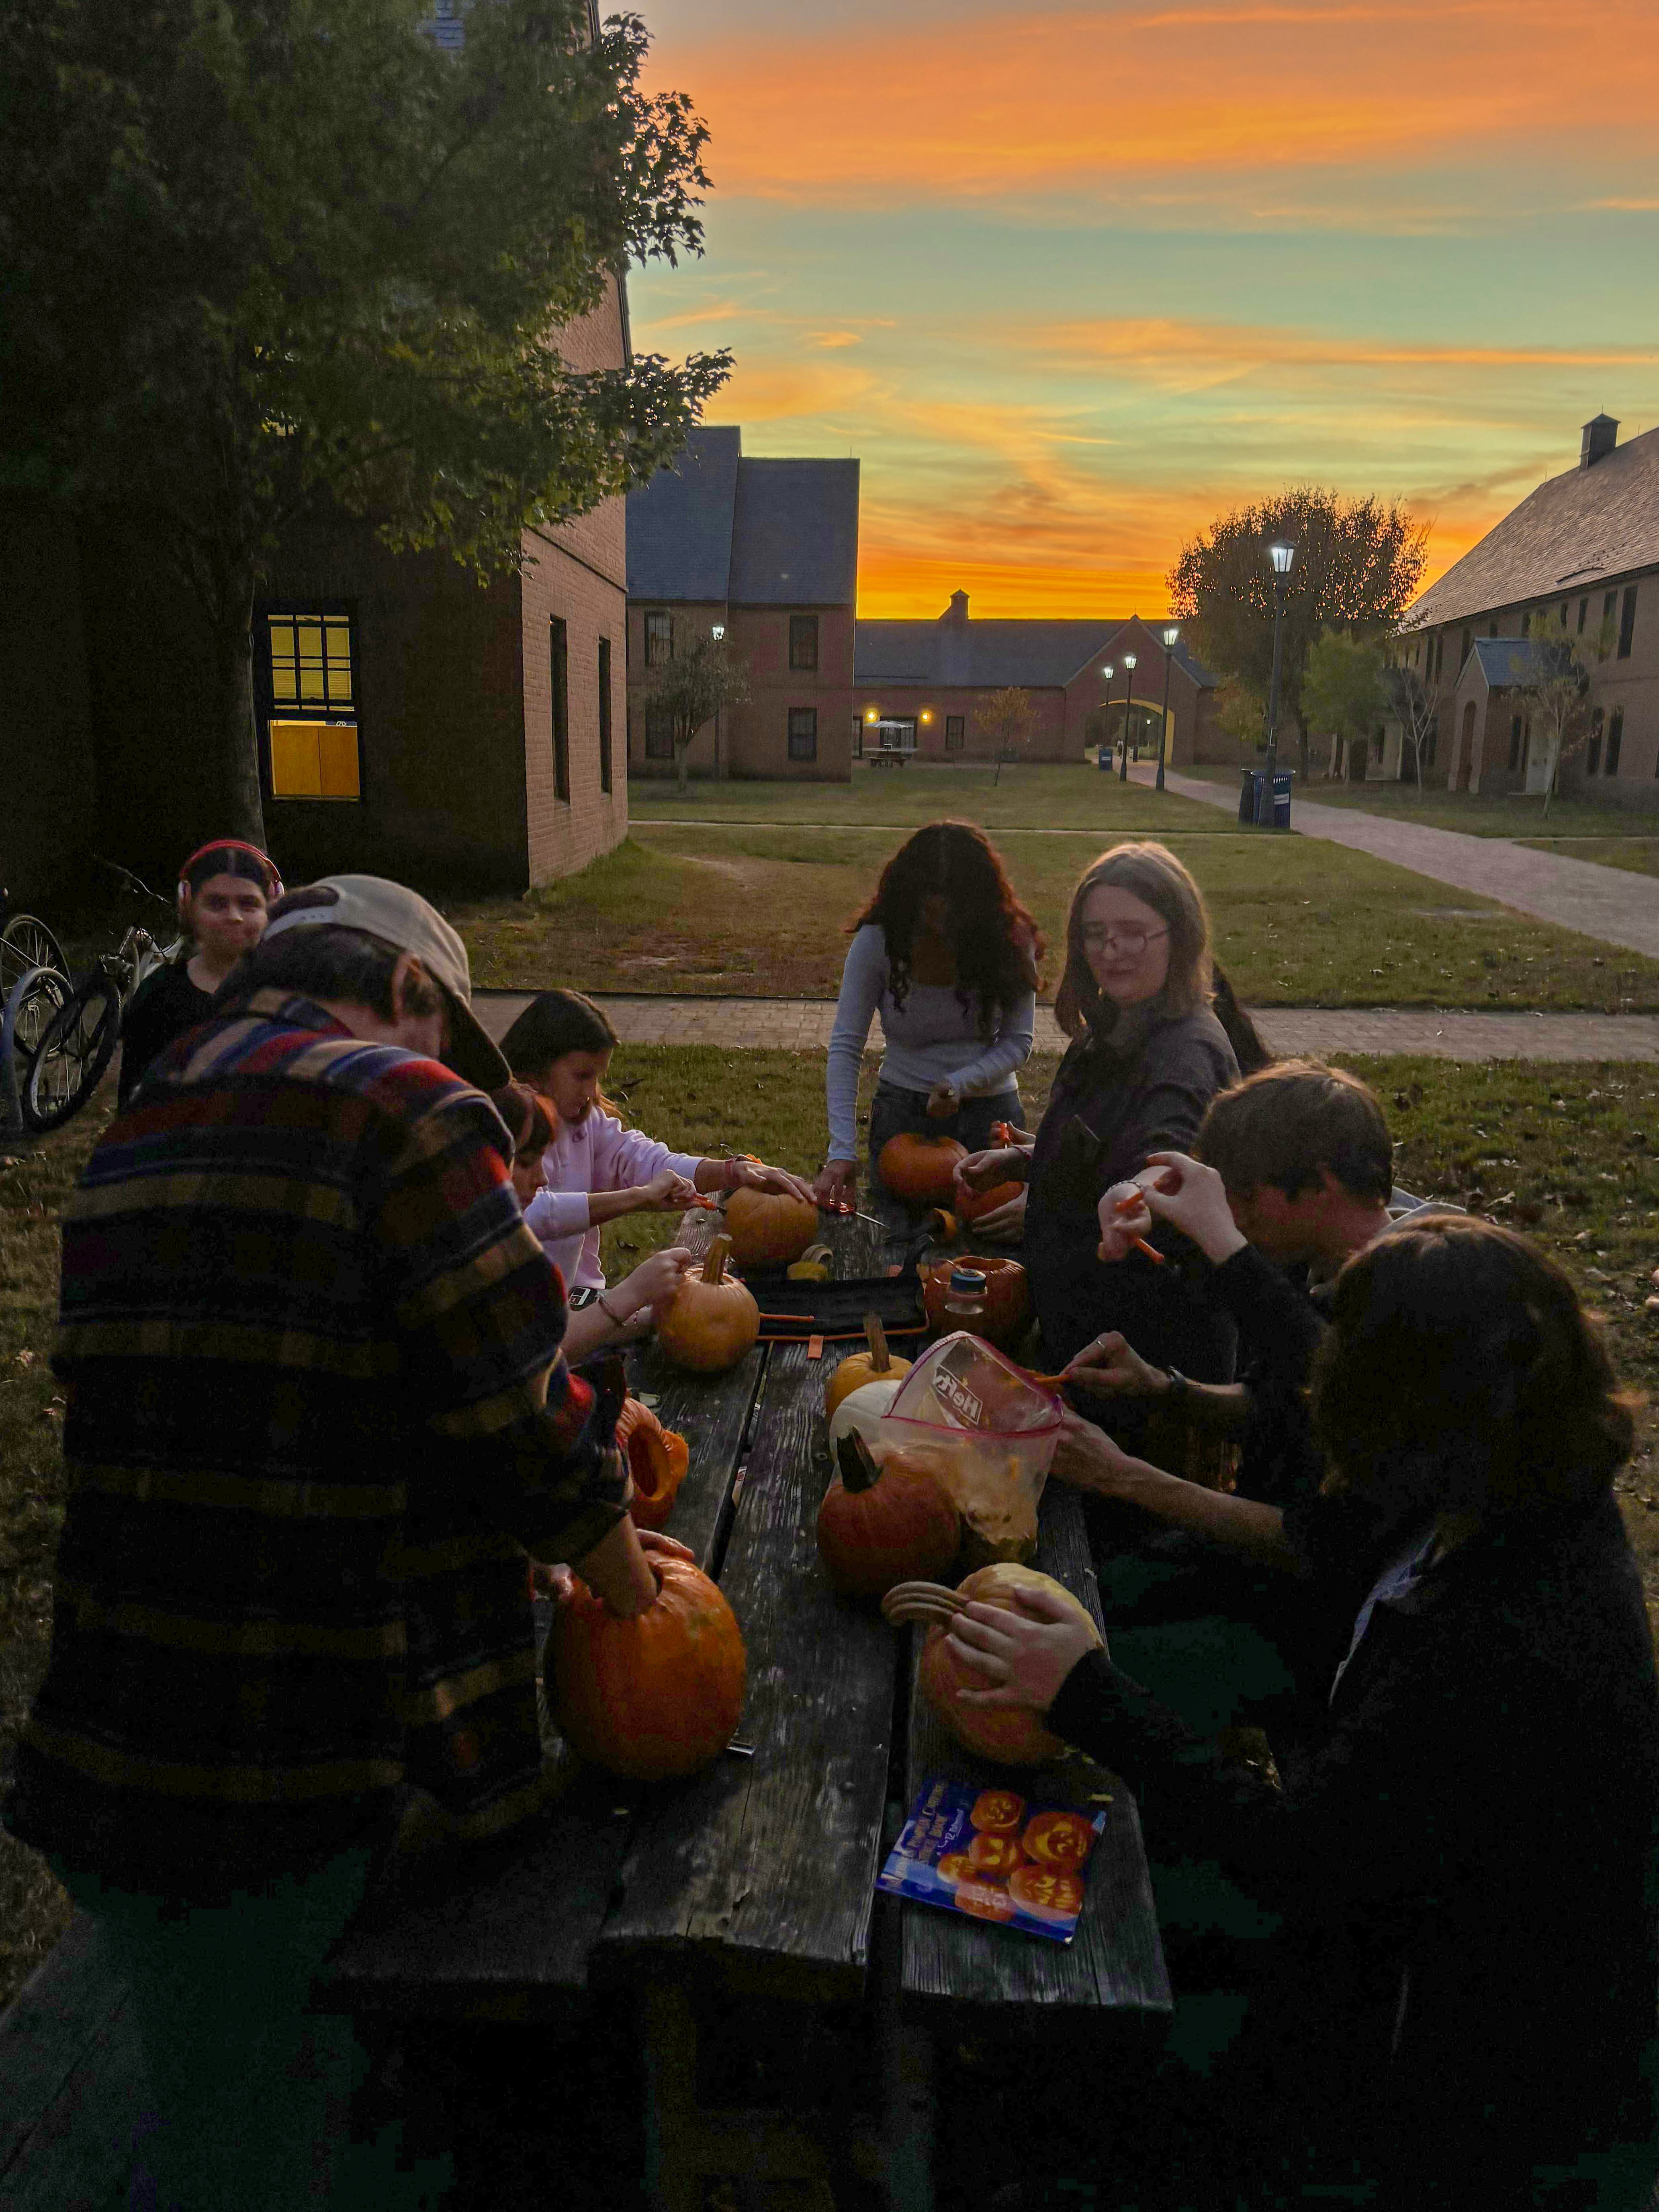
[[995, 1856]]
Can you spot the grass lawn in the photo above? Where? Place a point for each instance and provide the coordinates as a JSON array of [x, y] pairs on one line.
[[1570, 1153], [1496, 814], [1639, 854], [757, 910]]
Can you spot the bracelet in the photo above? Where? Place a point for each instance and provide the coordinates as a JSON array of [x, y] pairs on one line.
[[1179, 1386], [729, 1173], [610, 1312]]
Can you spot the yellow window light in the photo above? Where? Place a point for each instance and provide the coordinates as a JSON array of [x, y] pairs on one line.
[[315, 760]]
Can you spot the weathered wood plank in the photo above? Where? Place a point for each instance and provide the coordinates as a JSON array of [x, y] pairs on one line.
[[711, 1412], [72, 2081], [1116, 1960], [769, 1861]]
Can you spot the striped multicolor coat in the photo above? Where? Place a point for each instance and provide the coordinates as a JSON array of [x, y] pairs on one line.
[[317, 1415]]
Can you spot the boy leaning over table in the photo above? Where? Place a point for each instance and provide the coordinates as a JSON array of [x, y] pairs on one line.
[[317, 1414]]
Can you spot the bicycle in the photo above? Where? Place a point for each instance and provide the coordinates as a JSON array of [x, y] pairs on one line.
[[33, 985], [77, 1043], [25, 943]]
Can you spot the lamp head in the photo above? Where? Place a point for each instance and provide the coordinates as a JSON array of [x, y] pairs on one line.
[[1129, 662], [717, 630], [1281, 554], [1108, 671], [1170, 636]]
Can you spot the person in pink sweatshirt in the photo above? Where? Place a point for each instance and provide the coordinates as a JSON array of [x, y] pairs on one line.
[[596, 1170]]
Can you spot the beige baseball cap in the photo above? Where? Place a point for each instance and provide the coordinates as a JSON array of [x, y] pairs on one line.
[[401, 918]]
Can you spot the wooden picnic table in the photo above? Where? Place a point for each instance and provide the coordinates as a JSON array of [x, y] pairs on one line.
[[754, 1881]]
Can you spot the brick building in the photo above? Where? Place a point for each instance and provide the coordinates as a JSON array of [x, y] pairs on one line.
[[921, 688], [763, 553], [1585, 545]]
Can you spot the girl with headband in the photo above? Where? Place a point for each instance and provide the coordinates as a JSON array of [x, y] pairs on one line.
[[225, 892]]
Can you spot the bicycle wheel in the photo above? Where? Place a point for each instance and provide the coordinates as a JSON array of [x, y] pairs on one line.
[[75, 1048], [26, 942]]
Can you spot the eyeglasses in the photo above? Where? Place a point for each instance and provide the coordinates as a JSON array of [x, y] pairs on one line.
[[1132, 943]]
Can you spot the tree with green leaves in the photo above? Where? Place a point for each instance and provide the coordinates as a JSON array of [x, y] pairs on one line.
[[1357, 563], [267, 261], [695, 685], [1556, 689], [1008, 718], [1344, 695]]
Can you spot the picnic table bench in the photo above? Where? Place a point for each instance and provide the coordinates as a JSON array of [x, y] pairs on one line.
[[752, 1883]]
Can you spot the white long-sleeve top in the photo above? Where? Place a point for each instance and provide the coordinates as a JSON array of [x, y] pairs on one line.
[[595, 1153], [927, 1038]]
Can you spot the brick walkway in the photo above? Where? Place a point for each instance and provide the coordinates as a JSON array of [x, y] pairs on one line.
[[803, 1025], [1614, 904]]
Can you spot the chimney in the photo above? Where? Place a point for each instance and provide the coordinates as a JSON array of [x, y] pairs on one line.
[[1601, 436], [957, 609]]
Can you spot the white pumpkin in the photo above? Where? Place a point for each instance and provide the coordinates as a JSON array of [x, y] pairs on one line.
[[862, 1409]]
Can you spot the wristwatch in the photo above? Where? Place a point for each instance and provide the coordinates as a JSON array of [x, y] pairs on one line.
[[1179, 1386]]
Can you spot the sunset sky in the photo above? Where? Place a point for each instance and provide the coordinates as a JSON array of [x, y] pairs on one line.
[[1070, 281]]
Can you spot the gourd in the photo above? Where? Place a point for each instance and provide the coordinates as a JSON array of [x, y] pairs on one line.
[[973, 1203], [1006, 1735], [867, 1366], [883, 1524], [656, 1459], [815, 1265], [1007, 1295], [922, 1171], [656, 1696], [769, 1228], [713, 1321], [863, 1410]]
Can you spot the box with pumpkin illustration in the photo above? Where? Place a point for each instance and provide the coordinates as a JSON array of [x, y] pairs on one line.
[[995, 1856]]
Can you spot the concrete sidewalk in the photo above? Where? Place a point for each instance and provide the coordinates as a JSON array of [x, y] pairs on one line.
[[1614, 904], [803, 1025]]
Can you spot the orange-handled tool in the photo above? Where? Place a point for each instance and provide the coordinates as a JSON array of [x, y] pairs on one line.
[[1128, 1206]]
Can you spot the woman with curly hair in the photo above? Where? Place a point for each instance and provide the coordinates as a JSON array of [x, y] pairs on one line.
[[947, 955]]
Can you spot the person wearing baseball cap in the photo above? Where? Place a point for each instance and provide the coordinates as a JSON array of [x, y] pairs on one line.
[[318, 1413]]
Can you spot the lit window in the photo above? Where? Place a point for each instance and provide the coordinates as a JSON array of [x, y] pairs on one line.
[[312, 722], [803, 734], [803, 641]]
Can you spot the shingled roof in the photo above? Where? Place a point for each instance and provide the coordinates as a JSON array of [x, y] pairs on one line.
[[971, 654], [1577, 531], [714, 527]]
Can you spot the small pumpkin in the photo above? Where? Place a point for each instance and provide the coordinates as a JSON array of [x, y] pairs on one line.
[[1007, 1295], [973, 1203], [1046, 1894], [769, 1228], [864, 1409], [656, 1459], [875, 1363], [654, 1696], [1008, 1734], [999, 1812], [1058, 1839], [922, 1171], [995, 1856], [712, 1320], [882, 1524]]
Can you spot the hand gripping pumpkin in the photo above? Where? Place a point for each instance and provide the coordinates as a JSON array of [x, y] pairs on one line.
[[712, 1320], [1007, 1734], [976, 1202], [883, 1524], [877, 1364], [656, 1696], [922, 1171], [769, 1228], [656, 1459]]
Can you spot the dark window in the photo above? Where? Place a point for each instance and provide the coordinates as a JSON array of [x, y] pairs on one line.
[[1584, 614], [1492, 627], [803, 734], [1515, 741], [558, 669], [1526, 622], [1429, 744], [956, 732], [659, 639], [308, 674], [1593, 751], [605, 713], [803, 641], [1463, 655], [1615, 740], [1564, 613], [1627, 622], [1609, 609], [659, 733], [858, 737]]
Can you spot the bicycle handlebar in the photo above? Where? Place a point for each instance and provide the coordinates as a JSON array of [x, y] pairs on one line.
[[135, 883]]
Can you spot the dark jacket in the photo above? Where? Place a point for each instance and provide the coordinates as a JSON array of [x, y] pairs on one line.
[[1109, 1108], [164, 1006], [1468, 1932]]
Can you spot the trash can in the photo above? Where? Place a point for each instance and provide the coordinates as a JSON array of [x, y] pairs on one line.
[[1250, 795], [1282, 798]]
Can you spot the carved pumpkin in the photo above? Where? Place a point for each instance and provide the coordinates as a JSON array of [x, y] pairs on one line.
[[922, 1171], [1000, 1812], [1058, 1839], [869, 1366], [954, 1867], [656, 1459], [1005, 1733], [973, 1203], [995, 1856], [884, 1524], [652, 1697], [985, 1900], [712, 1320], [1008, 1296], [769, 1228], [1046, 1894]]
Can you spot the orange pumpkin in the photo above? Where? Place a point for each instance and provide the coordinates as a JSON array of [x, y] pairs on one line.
[[652, 1697], [884, 1524], [712, 1320], [1045, 1892], [1008, 1296], [954, 1867], [656, 1459], [999, 1811], [922, 1171], [877, 1364], [1060, 1839], [995, 1856], [975, 1202], [1009, 1735], [769, 1228], [985, 1900]]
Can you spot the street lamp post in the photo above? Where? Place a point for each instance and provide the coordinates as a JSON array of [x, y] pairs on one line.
[[1123, 763], [1168, 638], [1104, 750], [1281, 554]]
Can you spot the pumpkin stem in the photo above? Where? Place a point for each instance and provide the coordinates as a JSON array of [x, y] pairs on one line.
[[713, 1266], [856, 1463], [875, 1337]]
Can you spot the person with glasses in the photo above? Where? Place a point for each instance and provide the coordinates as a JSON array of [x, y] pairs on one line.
[[1147, 1055]]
